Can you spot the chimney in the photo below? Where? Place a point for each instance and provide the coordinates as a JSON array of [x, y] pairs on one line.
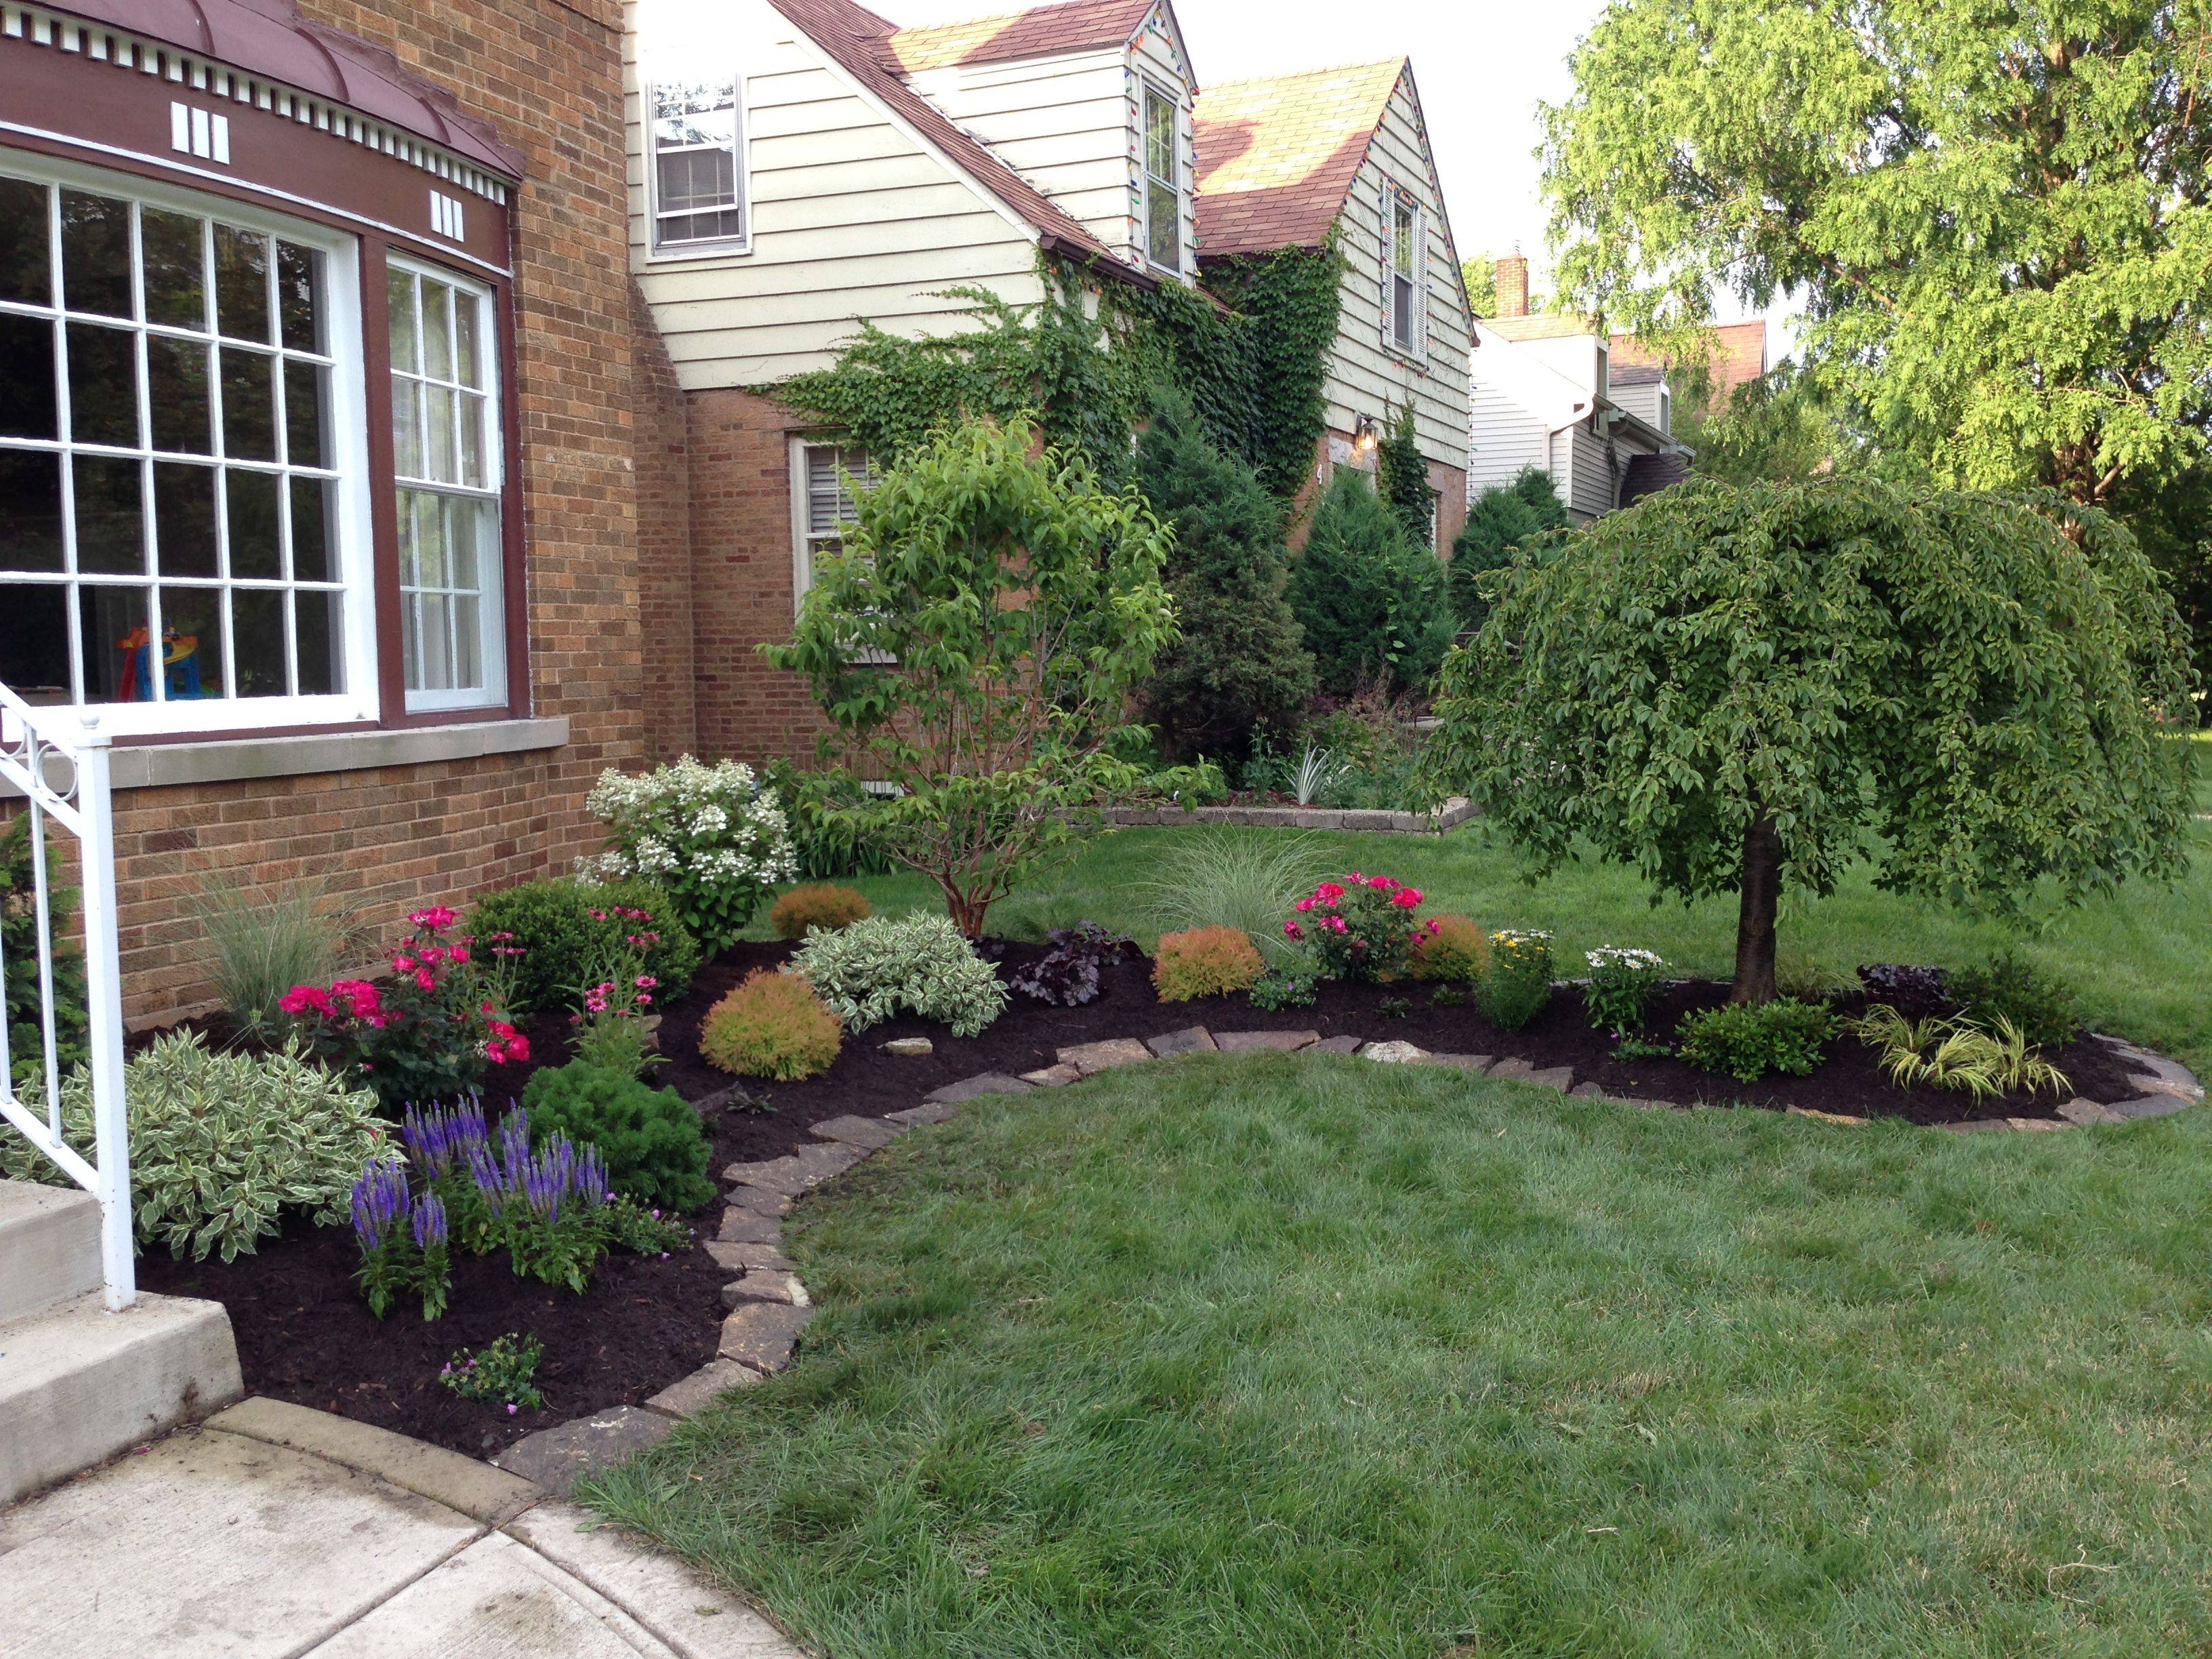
[[1512, 285]]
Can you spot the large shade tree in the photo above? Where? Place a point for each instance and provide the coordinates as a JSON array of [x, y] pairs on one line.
[[1998, 218], [1741, 690]]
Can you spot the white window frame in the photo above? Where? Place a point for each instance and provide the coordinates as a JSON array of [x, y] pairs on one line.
[[1150, 90], [346, 429], [804, 535], [1393, 199], [703, 247], [491, 588]]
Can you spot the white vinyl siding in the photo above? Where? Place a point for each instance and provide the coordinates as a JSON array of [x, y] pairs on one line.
[[1506, 438], [851, 217], [1366, 374], [1591, 487]]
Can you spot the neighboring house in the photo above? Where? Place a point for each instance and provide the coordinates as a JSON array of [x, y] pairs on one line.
[[1739, 355], [1281, 162], [318, 485], [1548, 394]]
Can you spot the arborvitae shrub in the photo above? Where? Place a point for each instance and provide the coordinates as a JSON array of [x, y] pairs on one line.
[[773, 1025], [1498, 521], [1205, 962], [1371, 602], [654, 1142], [1241, 660], [1451, 949], [818, 904]]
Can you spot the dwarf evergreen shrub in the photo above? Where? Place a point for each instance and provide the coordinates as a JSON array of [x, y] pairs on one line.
[[773, 1025], [653, 1141], [1371, 602]]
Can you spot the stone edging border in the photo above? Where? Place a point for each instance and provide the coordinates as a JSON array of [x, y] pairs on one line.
[[769, 1307], [1453, 813]]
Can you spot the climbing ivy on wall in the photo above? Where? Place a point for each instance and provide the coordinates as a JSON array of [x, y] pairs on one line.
[[1254, 366], [1402, 476]]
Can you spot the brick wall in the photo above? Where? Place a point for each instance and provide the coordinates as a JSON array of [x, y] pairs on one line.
[[741, 579], [549, 74], [667, 625]]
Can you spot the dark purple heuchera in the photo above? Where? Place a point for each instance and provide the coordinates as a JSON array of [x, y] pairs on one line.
[[1914, 992], [1066, 975]]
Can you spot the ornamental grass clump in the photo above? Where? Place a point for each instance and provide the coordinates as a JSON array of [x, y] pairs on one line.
[[223, 1144], [889, 965], [711, 836], [818, 904], [1361, 928], [1517, 986], [774, 1025], [1957, 1054], [1621, 981], [1205, 962], [1234, 879], [1451, 950]]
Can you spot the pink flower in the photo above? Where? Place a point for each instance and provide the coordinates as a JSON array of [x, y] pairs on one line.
[[1303, 905], [458, 953], [435, 918], [1291, 930], [1336, 924], [517, 1048], [403, 963], [1382, 883], [432, 955], [1330, 890], [426, 979], [1406, 899], [647, 983]]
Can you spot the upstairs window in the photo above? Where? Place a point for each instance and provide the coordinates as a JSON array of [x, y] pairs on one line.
[[695, 137], [180, 449], [1402, 300], [1163, 180]]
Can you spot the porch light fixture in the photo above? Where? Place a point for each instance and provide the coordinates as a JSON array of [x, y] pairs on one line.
[[1365, 435]]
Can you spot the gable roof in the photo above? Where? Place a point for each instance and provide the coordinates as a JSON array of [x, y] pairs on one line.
[[1038, 32], [858, 42], [1276, 157], [1739, 354]]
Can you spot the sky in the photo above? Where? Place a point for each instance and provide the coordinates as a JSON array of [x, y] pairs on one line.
[[1482, 67]]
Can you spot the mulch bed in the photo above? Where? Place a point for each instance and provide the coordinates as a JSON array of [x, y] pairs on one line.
[[305, 1334]]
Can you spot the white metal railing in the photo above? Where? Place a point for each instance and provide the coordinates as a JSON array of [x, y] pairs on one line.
[[35, 745]]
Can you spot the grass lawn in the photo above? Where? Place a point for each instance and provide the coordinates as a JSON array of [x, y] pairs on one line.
[[1286, 1359], [2141, 960]]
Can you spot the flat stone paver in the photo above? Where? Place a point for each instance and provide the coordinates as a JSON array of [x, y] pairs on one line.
[[1191, 1040], [738, 1256], [1337, 1045], [930, 1111], [760, 1200], [1089, 1057], [1245, 1042], [223, 1543], [692, 1395], [558, 1457], [1476, 1063], [972, 1088], [1053, 1077], [865, 1132], [909, 1048], [765, 1285], [2160, 1105], [743, 1227], [762, 1334], [2088, 1112]]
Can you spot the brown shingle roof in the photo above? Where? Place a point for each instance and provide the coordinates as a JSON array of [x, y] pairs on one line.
[[1069, 26], [1739, 354], [859, 41], [1276, 157]]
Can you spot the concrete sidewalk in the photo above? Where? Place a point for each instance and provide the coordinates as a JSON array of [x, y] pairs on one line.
[[272, 1531]]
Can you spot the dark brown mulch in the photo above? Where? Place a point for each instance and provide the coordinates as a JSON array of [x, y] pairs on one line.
[[305, 1334]]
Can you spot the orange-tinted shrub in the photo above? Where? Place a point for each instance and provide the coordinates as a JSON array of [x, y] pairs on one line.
[[1205, 961], [818, 904], [773, 1025], [1450, 948]]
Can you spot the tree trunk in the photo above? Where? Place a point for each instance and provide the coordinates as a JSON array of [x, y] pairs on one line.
[[1754, 927]]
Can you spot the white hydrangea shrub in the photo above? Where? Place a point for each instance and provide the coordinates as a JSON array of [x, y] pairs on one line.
[[712, 836]]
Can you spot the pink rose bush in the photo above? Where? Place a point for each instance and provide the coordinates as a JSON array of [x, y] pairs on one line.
[[1359, 928], [426, 1033]]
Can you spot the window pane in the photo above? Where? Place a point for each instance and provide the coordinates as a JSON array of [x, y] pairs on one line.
[[26, 260], [311, 514], [27, 377], [321, 670], [176, 268], [95, 254], [300, 296], [438, 435], [111, 519], [257, 630], [177, 386], [407, 427], [241, 283], [184, 520], [117, 667], [692, 180], [410, 643], [703, 226], [304, 390], [474, 409], [400, 291], [468, 642], [30, 513], [437, 332], [464, 523], [467, 352], [432, 569], [191, 633], [103, 377], [256, 539], [249, 405], [1163, 231], [1401, 240], [433, 645], [1159, 136], [35, 635]]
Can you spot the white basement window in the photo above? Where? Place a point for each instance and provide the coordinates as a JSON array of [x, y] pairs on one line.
[[183, 511], [1163, 180], [696, 174], [445, 454]]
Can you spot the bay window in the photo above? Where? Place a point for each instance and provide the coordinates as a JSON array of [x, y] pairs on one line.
[[446, 457], [182, 517]]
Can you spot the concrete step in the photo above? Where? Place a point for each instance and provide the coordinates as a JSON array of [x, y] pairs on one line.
[[78, 1383], [49, 1247]]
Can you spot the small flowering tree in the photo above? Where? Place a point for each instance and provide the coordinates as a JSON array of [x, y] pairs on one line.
[[1361, 928], [712, 836], [425, 1034]]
